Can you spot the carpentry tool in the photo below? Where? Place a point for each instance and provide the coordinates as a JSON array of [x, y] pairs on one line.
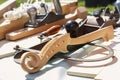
[[37, 21], [9, 21], [44, 38], [80, 12], [20, 51], [7, 26], [101, 16], [32, 62], [6, 6], [117, 5]]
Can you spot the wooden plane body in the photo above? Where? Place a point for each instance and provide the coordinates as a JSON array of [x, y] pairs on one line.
[[59, 43], [7, 26], [25, 32]]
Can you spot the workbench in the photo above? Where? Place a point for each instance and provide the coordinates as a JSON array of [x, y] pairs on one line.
[[56, 68]]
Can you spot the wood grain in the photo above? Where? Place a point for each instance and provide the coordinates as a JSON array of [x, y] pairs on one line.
[[7, 26], [60, 43], [25, 32]]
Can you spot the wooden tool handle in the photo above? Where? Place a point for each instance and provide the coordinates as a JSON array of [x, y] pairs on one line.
[[105, 33], [54, 29]]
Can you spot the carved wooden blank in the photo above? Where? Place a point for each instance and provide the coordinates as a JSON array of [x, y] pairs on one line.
[[60, 44]]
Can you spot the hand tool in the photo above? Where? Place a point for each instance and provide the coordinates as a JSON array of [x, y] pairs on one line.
[[46, 24], [32, 62]]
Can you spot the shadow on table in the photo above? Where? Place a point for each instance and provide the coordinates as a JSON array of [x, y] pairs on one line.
[[60, 63]]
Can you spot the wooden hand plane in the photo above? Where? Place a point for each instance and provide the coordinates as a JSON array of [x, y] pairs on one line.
[[102, 17], [32, 62], [7, 26], [43, 24]]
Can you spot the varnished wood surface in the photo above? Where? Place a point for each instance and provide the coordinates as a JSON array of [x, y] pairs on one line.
[[59, 66], [7, 26], [81, 12]]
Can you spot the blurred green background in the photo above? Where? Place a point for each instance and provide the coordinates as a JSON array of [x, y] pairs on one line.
[[80, 3], [1, 1]]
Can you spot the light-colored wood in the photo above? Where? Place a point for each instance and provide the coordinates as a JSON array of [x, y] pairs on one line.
[[7, 26], [84, 72], [6, 6], [106, 33], [11, 44], [60, 43], [68, 6], [81, 12]]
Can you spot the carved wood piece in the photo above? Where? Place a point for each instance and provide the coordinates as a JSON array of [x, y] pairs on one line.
[[60, 43]]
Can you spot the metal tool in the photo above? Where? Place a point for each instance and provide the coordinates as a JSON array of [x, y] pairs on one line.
[[58, 8], [32, 62], [44, 38], [37, 20], [117, 5], [32, 12], [36, 48], [111, 53]]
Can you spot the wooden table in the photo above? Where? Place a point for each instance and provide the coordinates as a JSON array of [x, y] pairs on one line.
[[55, 69]]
